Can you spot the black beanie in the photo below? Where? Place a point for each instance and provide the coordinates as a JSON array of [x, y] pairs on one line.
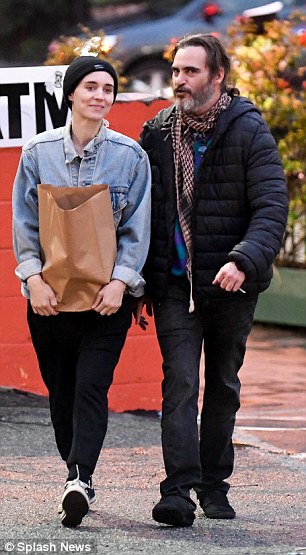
[[82, 66]]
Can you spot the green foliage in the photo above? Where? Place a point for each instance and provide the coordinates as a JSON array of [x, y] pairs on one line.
[[65, 49], [27, 27], [268, 68]]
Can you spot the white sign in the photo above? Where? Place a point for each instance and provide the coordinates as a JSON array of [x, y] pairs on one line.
[[31, 101]]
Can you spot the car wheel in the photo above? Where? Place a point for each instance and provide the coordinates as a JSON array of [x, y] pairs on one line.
[[150, 76]]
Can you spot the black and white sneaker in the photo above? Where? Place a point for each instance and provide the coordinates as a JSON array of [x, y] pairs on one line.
[[90, 492], [75, 503]]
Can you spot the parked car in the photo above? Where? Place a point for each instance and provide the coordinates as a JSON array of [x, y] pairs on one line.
[[140, 46]]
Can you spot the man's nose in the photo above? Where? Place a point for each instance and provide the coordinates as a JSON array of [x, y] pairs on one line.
[[179, 78]]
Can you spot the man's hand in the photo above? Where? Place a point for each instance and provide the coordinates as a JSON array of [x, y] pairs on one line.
[[109, 298], [229, 277], [42, 297], [139, 318]]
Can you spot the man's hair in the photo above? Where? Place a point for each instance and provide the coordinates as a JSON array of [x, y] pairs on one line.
[[216, 56]]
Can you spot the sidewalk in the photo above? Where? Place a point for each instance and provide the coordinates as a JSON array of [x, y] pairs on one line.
[[268, 486], [273, 392]]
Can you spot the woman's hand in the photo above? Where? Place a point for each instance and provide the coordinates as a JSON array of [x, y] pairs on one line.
[[42, 297], [109, 298]]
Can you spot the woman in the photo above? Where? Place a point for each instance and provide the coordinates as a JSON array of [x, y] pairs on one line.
[[78, 351]]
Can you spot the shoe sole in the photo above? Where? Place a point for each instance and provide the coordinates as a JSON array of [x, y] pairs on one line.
[[91, 501], [218, 515], [172, 517], [75, 507]]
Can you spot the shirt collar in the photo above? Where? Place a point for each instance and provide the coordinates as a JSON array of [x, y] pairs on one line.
[[90, 149]]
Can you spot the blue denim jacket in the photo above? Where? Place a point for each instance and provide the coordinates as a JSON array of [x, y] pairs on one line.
[[110, 158]]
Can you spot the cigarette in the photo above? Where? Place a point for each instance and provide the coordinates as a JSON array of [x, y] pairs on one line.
[[242, 290]]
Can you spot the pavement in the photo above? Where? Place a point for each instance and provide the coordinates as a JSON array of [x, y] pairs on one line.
[[268, 486]]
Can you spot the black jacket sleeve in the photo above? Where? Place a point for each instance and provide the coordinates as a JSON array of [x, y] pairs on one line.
[[268, 200]]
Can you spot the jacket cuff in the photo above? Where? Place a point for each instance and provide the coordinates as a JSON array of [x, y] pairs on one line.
[[28, 268], [244, 263], [133, 280]]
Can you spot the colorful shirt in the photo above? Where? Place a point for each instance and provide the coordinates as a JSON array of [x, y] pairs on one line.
[[179, 263]]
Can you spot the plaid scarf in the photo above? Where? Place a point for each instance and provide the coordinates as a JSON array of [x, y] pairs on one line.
[[182, 131]]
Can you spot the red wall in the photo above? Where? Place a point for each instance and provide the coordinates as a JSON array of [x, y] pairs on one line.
[[138, 374]]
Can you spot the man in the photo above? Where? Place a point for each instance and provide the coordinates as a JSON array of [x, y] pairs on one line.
[[78, 351], [219, 209]]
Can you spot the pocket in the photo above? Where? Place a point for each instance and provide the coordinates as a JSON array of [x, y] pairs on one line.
[[119, 202]]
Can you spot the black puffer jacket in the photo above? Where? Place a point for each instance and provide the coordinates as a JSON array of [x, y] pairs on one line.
[[240, 205]]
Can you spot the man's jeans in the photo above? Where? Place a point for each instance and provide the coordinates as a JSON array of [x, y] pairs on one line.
[[77, 354], [223, 326]]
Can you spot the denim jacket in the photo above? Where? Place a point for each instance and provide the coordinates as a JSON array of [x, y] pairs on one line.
[[110, 158]]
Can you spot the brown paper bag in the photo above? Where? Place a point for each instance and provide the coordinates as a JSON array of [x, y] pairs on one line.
[[78, 242]]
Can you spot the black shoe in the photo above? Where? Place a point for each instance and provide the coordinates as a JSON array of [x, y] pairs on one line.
[[75, 503], [215, 505], [174, 510]]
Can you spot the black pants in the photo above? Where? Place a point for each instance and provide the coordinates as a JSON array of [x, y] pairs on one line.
[[77, 354], [223, 325]]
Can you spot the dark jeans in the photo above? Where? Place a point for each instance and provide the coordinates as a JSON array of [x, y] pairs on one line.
[[77, 354], [223, 325]]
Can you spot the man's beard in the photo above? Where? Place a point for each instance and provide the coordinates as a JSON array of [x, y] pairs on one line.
[[194, 102]]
